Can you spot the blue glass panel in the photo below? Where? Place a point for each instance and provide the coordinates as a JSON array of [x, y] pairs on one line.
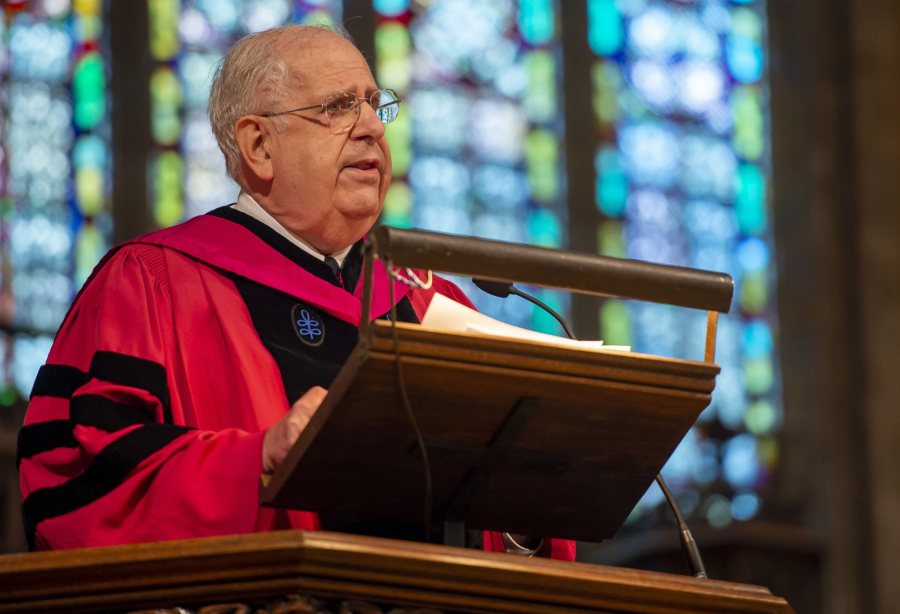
[[391, 8], [264, 14], [39, 50], [740, 462], [605, 30], [650, 152], [536, 21], [718, 511], [757, 339], [653, 33], [500, 188], [29, 353], [440, 119], [745, 506]]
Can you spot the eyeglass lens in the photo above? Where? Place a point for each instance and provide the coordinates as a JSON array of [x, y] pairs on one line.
[[343, 109]]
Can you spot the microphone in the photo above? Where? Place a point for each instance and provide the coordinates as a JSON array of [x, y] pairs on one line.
[[503, 289], [689, 547]]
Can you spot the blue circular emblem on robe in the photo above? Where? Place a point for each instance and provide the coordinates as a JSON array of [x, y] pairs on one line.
[[308, 325]]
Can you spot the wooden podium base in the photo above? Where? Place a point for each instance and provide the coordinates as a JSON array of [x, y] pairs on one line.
[[329, 568]]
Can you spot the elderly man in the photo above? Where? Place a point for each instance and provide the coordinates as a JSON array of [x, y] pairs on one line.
[[194, 356]]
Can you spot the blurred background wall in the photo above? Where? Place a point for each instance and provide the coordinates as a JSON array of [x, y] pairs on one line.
[[761, 139]]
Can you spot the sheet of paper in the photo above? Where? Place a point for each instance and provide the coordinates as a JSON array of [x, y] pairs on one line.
[[446, 314]]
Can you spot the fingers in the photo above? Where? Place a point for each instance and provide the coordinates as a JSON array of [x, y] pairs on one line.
[[282, 435]]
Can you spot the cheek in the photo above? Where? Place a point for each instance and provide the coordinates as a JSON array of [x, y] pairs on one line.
[[387, 173]]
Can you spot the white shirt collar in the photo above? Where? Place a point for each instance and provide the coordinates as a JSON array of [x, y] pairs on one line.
[[247, 204]]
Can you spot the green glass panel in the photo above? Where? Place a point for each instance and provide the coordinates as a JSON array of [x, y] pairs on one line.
[[718, 511], [319, 18], [754, 293], [607, 81], [750, 199], [536, 22], [87, 28], [767, 450], [611, 239], [605, 30], [398, 206], [89, 248], [749, 123], [758, 375], [8, 395], [165, 92], [540, 159], [615, 324], [745, 22], [540, 97], [543, 229], [89, 91], [399, 138], [761, 417], [168, 205], [163, 25], [392, 52], [89, 190]]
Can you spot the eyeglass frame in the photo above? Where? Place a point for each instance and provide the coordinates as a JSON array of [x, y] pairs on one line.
[[323, 106]]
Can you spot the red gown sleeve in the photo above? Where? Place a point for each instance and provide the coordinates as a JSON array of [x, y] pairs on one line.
[[108, 453], [561, 549]]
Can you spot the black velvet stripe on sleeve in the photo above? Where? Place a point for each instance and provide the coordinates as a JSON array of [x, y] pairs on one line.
[[58, 381], [43, 437], [106, 472], [136, 372], [102, 413]]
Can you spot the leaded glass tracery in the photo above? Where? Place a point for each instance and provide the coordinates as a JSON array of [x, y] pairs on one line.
[[188, 37], [477, 149], [680, 105], [55, 213]]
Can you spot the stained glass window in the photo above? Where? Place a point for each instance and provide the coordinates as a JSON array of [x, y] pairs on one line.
[[682, 165], [187, 39], [477, 148], [54, 218]]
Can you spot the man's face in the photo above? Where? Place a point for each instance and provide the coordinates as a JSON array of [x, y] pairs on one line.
[[327, 188]]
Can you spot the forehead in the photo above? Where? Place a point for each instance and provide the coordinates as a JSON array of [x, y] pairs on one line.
[[329, 63]]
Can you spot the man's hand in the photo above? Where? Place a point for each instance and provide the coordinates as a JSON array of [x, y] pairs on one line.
[[281, 436]]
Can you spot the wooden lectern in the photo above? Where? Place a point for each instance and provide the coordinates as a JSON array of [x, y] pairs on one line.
[[524, 438], [519, 437]]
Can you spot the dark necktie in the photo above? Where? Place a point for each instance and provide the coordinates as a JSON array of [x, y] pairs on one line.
[[335, 268]]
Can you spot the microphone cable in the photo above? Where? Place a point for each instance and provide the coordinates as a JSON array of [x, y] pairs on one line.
[[688, 544], [410, 415]]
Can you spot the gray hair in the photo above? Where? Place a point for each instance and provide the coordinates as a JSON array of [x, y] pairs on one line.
[[253, 78]]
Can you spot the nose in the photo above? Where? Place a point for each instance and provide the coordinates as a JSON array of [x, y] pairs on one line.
[[367, 124]]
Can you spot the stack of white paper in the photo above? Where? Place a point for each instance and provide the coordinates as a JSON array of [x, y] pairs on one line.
[[446, 314]]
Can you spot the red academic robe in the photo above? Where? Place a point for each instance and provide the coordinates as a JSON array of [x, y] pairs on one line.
[[147, 421]]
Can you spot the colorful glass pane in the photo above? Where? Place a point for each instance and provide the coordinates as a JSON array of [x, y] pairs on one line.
[[478, 147], [54, 219], [188, 37], [681, 178]]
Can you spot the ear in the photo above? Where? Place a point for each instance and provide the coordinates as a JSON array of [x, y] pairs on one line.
[[252, 134]]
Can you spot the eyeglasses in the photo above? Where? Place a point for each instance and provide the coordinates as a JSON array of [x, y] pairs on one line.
[[342, 109]]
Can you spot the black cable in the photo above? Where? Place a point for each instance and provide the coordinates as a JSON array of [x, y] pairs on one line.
[[688, 545], [545, 307], [407, 407]]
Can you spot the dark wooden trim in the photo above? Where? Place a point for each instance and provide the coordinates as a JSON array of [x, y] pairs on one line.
[[223, 569], [130, 100]]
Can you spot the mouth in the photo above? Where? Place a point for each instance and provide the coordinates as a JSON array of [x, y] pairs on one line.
[[369, 164]]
